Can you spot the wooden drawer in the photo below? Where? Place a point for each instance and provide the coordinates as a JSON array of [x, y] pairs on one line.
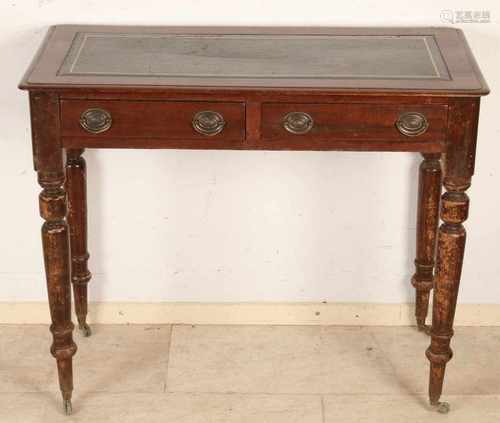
[[344, 122], [149, 120]]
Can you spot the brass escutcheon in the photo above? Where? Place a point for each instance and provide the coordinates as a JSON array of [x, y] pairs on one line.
[[298, 122], [95, 120], [208, 122], [412, 124]]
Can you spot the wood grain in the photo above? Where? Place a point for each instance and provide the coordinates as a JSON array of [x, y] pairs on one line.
[[429, 192], [154, 119], [459, 168], [55, 239], [465, 77], [353, 122], [76, 186]]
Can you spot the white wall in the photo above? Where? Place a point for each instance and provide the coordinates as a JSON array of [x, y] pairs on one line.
[[241, 226]]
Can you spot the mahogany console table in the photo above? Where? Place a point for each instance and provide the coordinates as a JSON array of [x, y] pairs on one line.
[[359, 89]]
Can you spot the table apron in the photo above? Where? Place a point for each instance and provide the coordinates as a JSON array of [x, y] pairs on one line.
[[276, 145]]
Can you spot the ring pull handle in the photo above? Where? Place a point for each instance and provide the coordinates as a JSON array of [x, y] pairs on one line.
[[412, 124], [298, 123], [95, 120], [208, 122]]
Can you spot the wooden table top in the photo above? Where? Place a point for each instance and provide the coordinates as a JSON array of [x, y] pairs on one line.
[[414, 60]]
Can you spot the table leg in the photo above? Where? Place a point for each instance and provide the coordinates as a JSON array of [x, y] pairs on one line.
[[56, 254], [76, 186], [458, 170], [55, 239], [451, 243], [429, 191]]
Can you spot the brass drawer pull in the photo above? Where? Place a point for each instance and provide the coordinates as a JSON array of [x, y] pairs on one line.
[[412, 124], [298, 122], [208, 123], [95, 121]]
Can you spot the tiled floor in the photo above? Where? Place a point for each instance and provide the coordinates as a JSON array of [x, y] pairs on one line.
[[248, 374]]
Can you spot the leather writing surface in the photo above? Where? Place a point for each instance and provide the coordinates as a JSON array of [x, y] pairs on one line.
[[255, 56]]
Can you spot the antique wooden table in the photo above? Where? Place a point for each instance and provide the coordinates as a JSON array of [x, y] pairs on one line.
[[359, 89]]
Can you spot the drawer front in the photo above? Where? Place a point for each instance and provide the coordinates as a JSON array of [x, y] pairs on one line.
[[172, 120], [353, 122]]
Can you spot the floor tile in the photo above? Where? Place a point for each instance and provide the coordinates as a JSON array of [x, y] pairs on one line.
[[404, 348], [277, 359], [472, 370], [25, 361], [248, 373], [25, 407], [116, 358], [409, 409], [128, 358], [475, 368], [156, 408]]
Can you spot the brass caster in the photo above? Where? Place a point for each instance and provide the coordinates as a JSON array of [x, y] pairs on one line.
[[68, 409], [442, 407], [85, 330]]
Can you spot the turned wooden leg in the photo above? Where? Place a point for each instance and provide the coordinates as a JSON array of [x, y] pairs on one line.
[[429, 191], [458, 170], [56, 254], [55, 237], [451, 243], [76, 187]]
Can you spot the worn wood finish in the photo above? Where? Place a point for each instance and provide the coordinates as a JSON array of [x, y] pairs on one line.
[[168, 124], [349, 122], [429, 192], [154, 120], [149, 105], [459, 168], [55, 239], [76, 187], [464, 76]]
